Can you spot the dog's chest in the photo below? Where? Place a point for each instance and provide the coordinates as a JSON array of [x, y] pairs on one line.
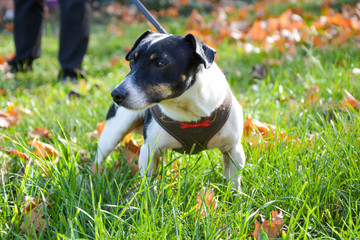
[[194, 136]]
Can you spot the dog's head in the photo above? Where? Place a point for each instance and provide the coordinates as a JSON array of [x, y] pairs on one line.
[[162, 67]]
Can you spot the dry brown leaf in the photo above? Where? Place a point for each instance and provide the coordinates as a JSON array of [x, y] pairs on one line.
[[8, 119], [131, 150], [112, 28], [257, 132], [39, 132], [43, 149], [100, 127], [180, 3], [33, 211], [312, 95], [210, 201], [114, 61], [270, 228], [9, 27], [99, 168], [350, 100], [339, 20], [17, 153], [257, 32]]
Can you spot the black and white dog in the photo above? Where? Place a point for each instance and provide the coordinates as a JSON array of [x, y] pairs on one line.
[[174, 82]]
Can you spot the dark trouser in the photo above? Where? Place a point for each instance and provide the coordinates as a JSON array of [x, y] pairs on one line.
[[74, 31]]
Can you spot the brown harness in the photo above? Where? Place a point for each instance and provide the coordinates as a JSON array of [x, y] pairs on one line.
[[194, 136]]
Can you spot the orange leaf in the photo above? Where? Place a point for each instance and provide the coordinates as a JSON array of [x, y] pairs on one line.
[[100, 127], [210, 202], [9, 26], [39, 132], [183, 2], [271, 229], [257, 32], [43, 149], [312, 95], [17, 153], [10, 56], [8, 119], [350, 100], [114, 61], [339, 20], [255, 131]]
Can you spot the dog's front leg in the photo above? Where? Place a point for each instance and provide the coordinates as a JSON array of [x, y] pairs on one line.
[[234, 160], [116, 127], [148, 152]]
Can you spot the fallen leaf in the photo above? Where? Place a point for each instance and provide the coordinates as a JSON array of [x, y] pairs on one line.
[[183, 3], [257, 31], [99, 168], [17, 153], [312, 95], [114, 61], [100, 127], [39, 132], [112, 28], [210, 201], [270, 228], [339, 20], [258, 71], [257, 132], [33, 211], [131, 150], [8, 119], [9, 27], [350, 100], [43, 149], [83, 156]]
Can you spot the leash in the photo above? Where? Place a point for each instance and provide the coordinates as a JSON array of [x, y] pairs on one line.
[[149, 17]]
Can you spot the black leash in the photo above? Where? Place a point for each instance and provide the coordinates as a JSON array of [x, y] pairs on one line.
[[149, 17]]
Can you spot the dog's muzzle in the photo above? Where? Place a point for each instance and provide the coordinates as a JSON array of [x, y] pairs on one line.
[[118, 95]]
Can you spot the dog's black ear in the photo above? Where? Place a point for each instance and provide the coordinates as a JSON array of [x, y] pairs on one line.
[[205, 52], [144, 35]]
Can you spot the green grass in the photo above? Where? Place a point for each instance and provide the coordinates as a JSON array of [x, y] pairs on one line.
[[315, 184]]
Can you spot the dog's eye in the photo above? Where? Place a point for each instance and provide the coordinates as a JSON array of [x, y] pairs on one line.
[[160, 64], [131, 61]]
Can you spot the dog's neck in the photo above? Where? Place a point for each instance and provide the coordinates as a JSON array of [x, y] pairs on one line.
[[200, 100]]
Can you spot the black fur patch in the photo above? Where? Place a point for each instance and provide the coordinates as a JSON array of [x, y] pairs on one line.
[[112, 111], [148, 118]]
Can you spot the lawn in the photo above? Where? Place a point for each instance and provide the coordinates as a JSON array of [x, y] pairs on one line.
[[312, 176]]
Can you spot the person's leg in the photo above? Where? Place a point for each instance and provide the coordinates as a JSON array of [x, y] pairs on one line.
[[74, 36], [27, 33]]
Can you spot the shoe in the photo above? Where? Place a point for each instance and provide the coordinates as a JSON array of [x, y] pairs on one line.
[[71, 76], [20, 66]]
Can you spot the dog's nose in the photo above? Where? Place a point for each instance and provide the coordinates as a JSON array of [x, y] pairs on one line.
[[118, 95]]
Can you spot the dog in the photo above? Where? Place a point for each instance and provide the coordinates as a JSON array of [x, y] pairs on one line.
[[174, 82]]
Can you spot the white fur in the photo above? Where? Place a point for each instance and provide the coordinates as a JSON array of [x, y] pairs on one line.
[[136, 98], [115, 129], [207, 94]]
